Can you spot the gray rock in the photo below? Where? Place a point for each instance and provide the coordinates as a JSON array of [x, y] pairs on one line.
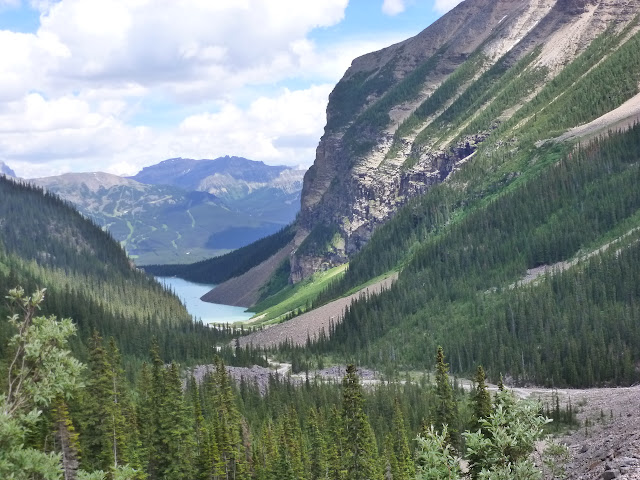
[[609, 475]]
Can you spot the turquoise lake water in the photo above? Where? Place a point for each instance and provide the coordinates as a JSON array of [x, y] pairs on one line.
[[190, 294]]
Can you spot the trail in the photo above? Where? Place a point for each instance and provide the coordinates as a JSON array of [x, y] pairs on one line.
[[534, 273]]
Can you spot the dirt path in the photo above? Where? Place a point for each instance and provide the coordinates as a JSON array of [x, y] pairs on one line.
[[310, 324]]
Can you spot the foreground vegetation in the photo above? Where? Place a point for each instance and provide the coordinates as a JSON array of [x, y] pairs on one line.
[[62, 419]]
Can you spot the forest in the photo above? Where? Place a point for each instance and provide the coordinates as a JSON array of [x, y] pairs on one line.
[[60, 418], [459, 283]]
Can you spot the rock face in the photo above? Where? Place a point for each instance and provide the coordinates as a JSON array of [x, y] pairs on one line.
[[366, 167]]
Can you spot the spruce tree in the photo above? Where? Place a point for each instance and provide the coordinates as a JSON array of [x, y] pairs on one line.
[[96, 410], [175, 427], [481, 398], [446, 408], [317, 447], [335, 446], [403, 467], [228, 426], [360, 453]]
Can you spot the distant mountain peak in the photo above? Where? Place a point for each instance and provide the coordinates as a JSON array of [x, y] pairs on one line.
[[6, 170], [229, 177]]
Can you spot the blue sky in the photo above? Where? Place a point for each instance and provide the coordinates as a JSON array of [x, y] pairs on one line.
[[115, 85]]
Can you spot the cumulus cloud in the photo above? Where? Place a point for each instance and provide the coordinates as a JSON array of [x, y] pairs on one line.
[[443, 6], [393, 7], [71, 93], [40, 137]]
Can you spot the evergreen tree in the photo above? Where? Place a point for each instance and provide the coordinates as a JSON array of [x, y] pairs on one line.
[[335, 446], [446, 412], [175, 427], [360, 454], [228, 426], [319, 469], [104, 428], [146, 418], [402, 467], [481, 398]]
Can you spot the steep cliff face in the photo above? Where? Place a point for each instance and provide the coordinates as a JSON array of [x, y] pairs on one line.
[[403, 118]]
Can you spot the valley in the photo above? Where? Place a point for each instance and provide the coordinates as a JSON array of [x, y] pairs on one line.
[[451, 290]]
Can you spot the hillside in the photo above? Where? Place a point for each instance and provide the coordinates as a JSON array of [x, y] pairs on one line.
[[44, 243], [491, 77], [472, 158], [185, 210]]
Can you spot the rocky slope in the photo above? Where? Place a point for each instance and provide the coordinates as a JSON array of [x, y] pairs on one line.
[[405, 117]]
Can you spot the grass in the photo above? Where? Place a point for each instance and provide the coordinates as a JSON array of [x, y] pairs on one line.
[[296, 297]]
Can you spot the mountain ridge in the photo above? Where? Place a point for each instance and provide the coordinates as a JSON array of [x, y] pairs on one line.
[[168, 221], [369, 162]]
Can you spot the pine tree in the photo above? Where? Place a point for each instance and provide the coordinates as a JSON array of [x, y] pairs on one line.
[[228, 426], [360, 455], [96, 412], [123, 433], [175, 427], [446, 409], [317, 447], [403, 467], [146, 418], [203, 463], [335, 446], [481, 398]]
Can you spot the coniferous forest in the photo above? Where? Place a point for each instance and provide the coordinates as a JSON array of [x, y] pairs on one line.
[[517, 261]]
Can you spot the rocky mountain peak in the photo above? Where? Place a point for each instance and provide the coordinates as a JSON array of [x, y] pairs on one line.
[[402, 118]]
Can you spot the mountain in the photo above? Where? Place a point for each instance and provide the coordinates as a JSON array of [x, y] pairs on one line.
[[466, 103], [5, 170], [171, 219], [491, 162], [230, 178], [405, 118], [45, 243]]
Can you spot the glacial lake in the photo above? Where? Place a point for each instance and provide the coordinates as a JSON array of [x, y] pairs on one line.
[[190, 293]]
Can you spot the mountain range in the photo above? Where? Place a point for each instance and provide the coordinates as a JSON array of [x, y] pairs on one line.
[[184, 210], [491, 164], [468, 103]]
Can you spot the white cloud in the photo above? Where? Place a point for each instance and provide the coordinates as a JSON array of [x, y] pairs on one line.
[[443, 6], [393, 7], [70, 92], [40, 137]]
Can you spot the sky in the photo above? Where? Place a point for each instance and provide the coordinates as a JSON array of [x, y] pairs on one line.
[[117, 85]]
